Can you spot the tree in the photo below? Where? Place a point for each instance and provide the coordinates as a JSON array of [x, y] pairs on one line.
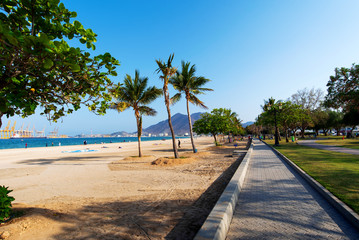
[[185, 82], [135, 93], [308, 99], [167, 71], [320, 121], [335, 120], [273, 108], [38, 68], [288, 117], [220, 120], [343, 89], [351, 118]]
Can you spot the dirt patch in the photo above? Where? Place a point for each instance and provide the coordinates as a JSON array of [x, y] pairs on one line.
[[166, 161]]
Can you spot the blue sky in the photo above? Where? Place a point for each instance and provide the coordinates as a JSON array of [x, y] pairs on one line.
[[251, 50]]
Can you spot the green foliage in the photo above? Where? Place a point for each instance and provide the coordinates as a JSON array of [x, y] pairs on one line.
[[343, 89], [38, 67], [351, 117], [185, 82], [220, 120], [5, 203]]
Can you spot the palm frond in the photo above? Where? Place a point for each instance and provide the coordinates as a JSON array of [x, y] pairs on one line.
[[194, 100], [147, 111], [175, 98], [120, 106], [149, 95]]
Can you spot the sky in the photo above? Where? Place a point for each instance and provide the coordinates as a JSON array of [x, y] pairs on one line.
[[251, 51]]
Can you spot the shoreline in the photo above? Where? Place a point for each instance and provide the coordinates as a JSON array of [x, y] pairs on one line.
[[121, 140]]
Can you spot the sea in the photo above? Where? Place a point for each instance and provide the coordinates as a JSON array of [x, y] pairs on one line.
[[49, 142]]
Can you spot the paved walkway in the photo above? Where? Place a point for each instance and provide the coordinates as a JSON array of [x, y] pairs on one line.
[[313, 144], [276, 203]]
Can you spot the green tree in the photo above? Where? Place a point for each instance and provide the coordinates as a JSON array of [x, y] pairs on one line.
[[288, 117], [220, 120], [343, 89], [185, 82], [38, 67], [273, 108], [320, 121], [335, 120], [135, 93], [167, 71], [351, 118]]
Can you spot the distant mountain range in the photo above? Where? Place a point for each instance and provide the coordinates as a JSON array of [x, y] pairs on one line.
[[179, 122], [247, 124]]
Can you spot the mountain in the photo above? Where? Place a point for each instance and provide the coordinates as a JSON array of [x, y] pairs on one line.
[[247, 124], [179, 123]]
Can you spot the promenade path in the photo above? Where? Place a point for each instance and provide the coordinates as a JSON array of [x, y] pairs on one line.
[[276, 203], [313, 144]]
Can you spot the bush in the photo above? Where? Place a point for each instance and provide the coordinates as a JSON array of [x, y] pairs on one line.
[[5, 203]]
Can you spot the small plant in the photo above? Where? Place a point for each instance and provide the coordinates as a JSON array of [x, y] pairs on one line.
[[5, 203]]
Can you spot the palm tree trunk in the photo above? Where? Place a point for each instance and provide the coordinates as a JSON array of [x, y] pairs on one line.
[[139, 133], [190, 127], [167, 102]]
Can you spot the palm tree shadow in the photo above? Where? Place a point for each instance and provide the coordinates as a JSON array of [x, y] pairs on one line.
[[82, 160]]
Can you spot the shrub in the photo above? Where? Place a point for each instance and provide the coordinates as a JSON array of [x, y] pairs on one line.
[[5, 203]]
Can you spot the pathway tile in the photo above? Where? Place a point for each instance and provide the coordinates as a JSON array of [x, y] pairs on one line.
[[276, 203]]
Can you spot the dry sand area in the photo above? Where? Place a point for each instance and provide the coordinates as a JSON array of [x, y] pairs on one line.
[[110, 194]]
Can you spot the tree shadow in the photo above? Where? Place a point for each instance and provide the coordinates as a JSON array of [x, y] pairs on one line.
[[146, 219], [81, 160]]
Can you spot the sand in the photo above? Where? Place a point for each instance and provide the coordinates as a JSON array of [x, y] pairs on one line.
[[109, 193]]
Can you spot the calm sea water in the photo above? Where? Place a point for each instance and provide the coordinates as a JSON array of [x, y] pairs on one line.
[[43, 142]]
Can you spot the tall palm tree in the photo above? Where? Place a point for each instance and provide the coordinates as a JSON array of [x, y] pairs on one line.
[[135, 93], [166, 69], [187, 83]]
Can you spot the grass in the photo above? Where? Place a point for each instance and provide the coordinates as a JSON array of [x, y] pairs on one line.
[[346, 143], [337, 172]]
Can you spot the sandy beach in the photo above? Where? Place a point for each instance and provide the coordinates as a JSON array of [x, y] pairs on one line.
[[108, 193]]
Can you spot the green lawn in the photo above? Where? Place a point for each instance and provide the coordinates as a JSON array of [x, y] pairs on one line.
[[338, 172], [347, 143]]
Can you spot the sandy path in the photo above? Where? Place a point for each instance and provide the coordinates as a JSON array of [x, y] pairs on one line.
[[104, 194]]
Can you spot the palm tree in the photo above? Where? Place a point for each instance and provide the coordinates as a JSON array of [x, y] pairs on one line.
[[187, 83], [167, 71], [135, 93]]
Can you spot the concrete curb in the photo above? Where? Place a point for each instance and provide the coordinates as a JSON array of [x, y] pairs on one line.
[[218, 221], [347, 212]]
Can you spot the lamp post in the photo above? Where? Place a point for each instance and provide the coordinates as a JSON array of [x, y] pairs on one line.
[[275, 110]]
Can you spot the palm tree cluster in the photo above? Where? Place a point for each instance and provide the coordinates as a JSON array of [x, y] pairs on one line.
[[134, 93]]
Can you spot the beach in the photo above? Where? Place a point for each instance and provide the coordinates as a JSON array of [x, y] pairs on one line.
[[104, 191]]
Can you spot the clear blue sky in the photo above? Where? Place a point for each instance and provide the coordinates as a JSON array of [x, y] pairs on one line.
[[251, 50]]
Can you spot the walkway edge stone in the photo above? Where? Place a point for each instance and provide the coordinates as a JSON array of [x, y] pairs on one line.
[[346, 211], [218, 221]]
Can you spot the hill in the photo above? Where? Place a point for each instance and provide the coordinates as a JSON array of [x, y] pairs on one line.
[[179, 122], [247, 124]]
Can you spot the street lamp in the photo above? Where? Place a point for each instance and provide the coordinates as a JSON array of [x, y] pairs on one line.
[[275, 110]]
